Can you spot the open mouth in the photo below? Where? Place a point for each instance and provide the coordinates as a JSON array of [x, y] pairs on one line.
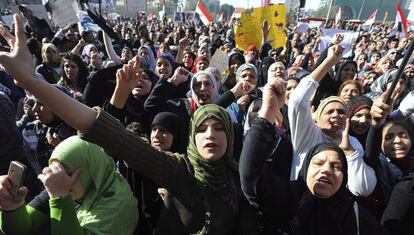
[[398, 150], [210, 146], [324, 180], [203, 97]]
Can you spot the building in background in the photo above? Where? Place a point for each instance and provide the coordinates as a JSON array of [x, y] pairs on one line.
[[351, 8]]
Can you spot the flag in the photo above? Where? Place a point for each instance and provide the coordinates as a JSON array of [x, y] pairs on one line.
[[338, 17], [162, 13], [236, 14], [400, 22], [202, 11], [371, 18], [266, 3], [221, 18]]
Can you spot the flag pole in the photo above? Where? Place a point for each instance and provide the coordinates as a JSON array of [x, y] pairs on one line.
[[360, 11], [329, 11], [399, 72]]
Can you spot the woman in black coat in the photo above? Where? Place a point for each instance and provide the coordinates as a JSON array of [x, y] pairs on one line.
[[318, 202]]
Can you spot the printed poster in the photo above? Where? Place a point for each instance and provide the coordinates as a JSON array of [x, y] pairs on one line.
[[248, 30]]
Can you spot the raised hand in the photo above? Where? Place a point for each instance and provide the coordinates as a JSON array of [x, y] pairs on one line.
[[183, 43], [7, 201], [265, 29], [344, 143], [380, 110], [273, 99], [335, 54], [338, 38], [243, 102], [18, 62], [126, 79], [242, 88], [180, 75], [56, 181]]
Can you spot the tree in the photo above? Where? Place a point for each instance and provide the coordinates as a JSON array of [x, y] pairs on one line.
[[227, 9]]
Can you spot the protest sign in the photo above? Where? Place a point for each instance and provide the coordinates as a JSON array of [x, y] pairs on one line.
[[38, 10], [219, 60], [64, 12], [8, 20], [248, 30], [184, 16], [86, 23], [302, 27], [328, 36]]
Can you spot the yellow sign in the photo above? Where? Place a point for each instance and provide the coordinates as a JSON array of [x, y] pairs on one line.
[[249, 30]]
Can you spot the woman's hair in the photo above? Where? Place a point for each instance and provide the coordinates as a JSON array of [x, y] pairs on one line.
[[45, 47], [353, 82], [83, 70]]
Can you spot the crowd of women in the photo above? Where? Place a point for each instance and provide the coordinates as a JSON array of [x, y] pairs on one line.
[[131, 131]]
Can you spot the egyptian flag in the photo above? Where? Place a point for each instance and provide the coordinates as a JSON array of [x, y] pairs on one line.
[[221, 18], [371, 19], [202, 11], [401, 23]]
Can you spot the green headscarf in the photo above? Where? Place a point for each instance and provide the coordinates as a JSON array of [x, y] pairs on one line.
[[213, 177], [108, 206]]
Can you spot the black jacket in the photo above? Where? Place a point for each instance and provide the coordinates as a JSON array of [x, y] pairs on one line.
[[283, 201]]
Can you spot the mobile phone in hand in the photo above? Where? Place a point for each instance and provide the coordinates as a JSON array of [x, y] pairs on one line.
[[16, 174]]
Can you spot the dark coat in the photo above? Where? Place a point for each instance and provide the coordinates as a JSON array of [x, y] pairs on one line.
[[187, 211]]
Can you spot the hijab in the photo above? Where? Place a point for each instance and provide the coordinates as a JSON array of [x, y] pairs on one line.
[[197, 60], [169, 121], [264, 68], [213, 177], [244, 67], [135, 105], [108, 203], [334, 215], [212, 80], [150, 58]]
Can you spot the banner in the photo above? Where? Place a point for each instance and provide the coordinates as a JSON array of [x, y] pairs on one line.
[[184, 16], [86, 23], [329, 34], [38, 10], [248, 30], [219, 60], [64, 12]]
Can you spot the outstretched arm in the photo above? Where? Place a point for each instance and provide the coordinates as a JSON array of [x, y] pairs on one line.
[[19, 64]]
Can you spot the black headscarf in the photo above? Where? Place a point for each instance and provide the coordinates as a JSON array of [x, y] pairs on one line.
[[329, 86], [334, 215], [263, 70], [135, 105], [358, 103], [170, 122]]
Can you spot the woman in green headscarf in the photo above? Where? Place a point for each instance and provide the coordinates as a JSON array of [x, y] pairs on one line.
[[79, 173], [209, 199]]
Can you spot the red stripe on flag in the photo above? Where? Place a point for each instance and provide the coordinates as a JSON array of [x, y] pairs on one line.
[[205, 12], [403, 19]]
